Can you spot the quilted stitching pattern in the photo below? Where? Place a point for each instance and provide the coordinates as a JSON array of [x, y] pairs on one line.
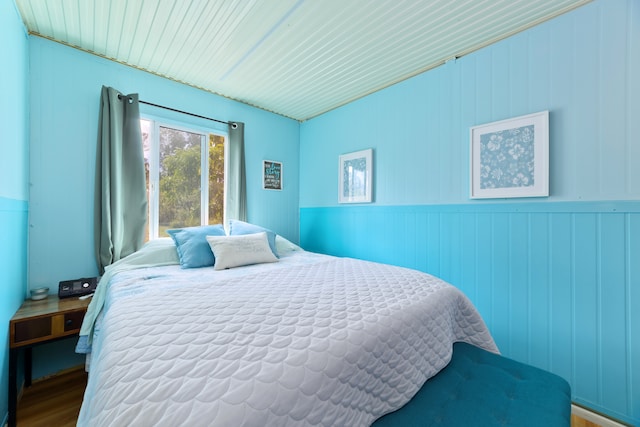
[[335, 343]]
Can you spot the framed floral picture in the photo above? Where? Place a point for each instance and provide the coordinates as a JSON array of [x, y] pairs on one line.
[[355, 172], [510, 158]]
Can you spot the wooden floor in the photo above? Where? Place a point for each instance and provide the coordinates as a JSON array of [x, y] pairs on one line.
[[579, 422], [55, 402]]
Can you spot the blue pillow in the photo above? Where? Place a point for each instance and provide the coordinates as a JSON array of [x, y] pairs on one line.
[[191, 242], [237, 228]]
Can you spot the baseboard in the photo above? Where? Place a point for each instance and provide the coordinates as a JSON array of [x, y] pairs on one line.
[[594, 417], [59, 373]]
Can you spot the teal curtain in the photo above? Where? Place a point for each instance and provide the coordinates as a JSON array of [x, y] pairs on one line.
[[120, 214], [236, 201]]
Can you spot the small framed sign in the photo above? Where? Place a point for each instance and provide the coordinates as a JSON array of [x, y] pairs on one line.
[[271, 175]]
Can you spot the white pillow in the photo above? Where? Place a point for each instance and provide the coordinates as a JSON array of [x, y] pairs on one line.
[[244, 249]]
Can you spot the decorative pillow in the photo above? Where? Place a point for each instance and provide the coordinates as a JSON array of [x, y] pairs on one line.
[[283, 245], [238, 228], [192, 246], [236, 251], [161, 250]]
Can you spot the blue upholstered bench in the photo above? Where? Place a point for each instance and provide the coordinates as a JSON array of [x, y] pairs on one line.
[[479, 388]]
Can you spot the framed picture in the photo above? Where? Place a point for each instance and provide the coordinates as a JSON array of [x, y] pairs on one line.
[[355, 172], [271, 175], [510, 158]]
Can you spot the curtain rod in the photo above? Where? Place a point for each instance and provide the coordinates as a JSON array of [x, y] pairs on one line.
[[233, 125]]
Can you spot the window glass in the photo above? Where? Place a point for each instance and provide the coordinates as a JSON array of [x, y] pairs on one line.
[[216, 178], [179, 194], [179, 178]]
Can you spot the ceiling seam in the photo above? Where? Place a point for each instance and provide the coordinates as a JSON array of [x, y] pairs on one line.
[[253, 48]]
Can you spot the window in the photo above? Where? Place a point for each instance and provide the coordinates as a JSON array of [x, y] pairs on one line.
[[179, 194]]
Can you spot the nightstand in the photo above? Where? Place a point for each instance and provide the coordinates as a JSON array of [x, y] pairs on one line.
[[39, 322]]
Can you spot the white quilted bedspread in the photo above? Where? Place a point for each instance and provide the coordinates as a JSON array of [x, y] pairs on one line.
[[309, 340]]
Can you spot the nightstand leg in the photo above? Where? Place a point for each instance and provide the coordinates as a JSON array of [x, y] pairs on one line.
[[28, 359], [13, 386]]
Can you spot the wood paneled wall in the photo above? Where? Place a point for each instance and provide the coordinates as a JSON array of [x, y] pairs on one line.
[[556, 283]]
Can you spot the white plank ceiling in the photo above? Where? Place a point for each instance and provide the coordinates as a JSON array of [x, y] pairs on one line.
[[297, 58]]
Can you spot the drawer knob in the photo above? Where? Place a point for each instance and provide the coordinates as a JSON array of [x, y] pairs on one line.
[[68, 322]]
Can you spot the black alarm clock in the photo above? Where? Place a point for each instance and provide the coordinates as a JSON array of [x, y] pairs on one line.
[[78, 287]]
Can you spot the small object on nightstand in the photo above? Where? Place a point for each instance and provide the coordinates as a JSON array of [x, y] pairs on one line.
[[39, 293], [78, 287]]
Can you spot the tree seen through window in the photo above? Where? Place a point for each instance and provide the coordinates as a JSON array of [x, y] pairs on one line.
[[183, 197]]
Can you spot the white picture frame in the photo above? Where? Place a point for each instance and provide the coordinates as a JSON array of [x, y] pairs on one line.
[[272, 175], [355, 177], [510, 158]]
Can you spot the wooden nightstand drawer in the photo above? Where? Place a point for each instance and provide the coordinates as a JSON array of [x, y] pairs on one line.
[[28, 330], [73, 321], [47, 327], [46, 320]]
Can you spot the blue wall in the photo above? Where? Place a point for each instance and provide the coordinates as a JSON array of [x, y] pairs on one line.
[[556, 278], [14, 154]]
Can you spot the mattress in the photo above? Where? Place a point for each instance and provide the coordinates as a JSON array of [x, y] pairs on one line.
[[308, 340]]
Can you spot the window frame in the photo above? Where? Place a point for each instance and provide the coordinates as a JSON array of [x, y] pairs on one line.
[[154, 166]]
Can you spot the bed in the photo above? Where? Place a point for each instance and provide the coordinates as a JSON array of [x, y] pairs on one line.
[[297, 339]]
